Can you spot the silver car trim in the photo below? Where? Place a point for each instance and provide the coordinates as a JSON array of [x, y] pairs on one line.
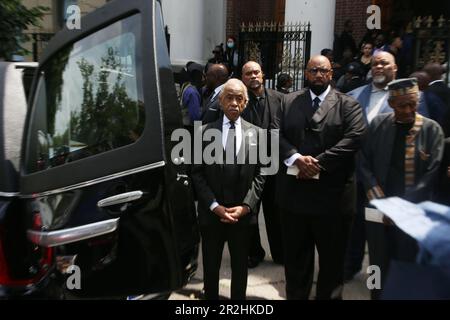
[[120, 198], [70, 235], [95, 181], [8, 194]]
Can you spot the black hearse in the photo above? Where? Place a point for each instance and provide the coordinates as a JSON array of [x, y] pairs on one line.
[[96, 207]]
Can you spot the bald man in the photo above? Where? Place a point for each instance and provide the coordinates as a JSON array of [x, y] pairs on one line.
[[263, 104], [216, 76], [373, 99], [320, 132]]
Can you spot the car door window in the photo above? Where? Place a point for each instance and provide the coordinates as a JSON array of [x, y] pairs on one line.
[[89, 98]]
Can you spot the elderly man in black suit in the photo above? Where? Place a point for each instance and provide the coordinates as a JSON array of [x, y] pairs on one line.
[[228, 192], [261, 110], [320, 132]]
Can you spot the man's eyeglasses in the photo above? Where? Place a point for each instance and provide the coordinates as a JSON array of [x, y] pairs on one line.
[[321, 70]]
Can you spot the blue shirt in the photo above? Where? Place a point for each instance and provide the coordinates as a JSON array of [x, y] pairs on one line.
[[192, 100]]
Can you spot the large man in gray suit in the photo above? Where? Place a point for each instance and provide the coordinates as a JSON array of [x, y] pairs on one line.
[[320, 132]]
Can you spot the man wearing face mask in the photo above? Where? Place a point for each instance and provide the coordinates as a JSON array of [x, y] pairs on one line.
[[320, 132], [231, 56]]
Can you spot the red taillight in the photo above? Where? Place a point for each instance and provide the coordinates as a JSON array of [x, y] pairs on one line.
[[37, 221], [3, 265], [44, 258]]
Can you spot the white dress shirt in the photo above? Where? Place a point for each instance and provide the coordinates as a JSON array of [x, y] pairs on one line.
[[290, 161], [238, 132], [433, 82], [216, 93]]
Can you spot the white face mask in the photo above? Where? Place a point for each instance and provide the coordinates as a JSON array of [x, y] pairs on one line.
[[230, 45]]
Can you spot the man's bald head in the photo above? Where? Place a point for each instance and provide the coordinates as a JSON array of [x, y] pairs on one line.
[[318, 74], [319, 59], [422, 79], [216, 75], [384, 68], [434, 70], [385, 55], [251, 65]]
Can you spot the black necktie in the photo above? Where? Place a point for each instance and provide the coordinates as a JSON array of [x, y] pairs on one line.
[[230, 145], [316, 103], [260, 107]]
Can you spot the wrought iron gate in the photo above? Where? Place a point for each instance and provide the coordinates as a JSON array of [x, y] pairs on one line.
[[278, 48], [432, 42]]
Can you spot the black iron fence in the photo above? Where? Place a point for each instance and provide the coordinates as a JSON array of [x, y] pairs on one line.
[[278, 48], [432, 42]]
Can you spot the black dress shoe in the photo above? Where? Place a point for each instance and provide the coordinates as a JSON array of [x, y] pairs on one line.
[[253, 262]]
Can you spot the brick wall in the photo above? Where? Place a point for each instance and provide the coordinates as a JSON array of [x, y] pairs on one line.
[[356, 10], [239, 11]]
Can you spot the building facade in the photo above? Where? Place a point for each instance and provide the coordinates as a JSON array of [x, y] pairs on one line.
[[197, 26]]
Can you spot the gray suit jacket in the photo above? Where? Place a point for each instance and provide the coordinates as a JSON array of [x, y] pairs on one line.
[[362, 94]]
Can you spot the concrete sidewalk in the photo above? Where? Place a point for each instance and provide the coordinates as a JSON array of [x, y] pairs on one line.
[[266, 281]]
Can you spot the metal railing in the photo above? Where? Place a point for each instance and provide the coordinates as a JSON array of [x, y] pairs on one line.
[[278, 48]]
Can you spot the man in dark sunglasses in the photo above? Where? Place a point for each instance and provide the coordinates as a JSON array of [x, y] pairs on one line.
[[320, 132]]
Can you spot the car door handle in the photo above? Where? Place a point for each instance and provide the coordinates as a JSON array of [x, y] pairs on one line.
[[120, 198], [70, 235]]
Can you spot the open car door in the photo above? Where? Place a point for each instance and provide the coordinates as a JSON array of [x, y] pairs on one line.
[[108, 214]]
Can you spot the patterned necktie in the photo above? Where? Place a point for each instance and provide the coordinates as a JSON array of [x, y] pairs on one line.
[[315, 104]]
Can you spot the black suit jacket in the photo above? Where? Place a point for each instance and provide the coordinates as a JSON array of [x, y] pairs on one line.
[[208, 178], [272, 105], [274, 99], [441, 90], [335, 131]]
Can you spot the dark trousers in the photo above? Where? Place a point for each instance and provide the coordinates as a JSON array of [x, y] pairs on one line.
[[357, 240], [213, 240], [273, 226], [301, 233], [387, 243]]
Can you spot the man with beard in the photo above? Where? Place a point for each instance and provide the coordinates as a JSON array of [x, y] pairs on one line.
[[262, 107], [320, 132], [373, 99]]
